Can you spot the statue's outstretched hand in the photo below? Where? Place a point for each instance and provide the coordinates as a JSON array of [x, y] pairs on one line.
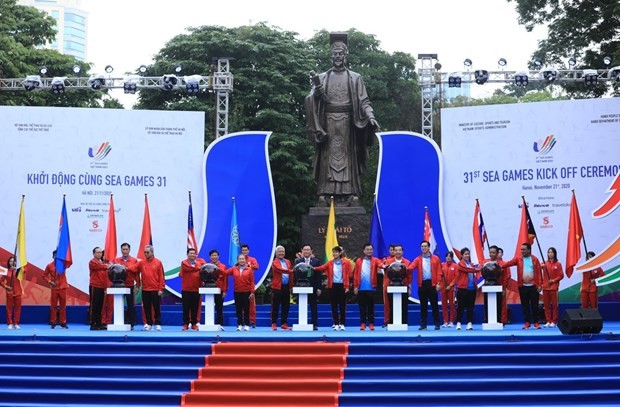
[[375, 124]]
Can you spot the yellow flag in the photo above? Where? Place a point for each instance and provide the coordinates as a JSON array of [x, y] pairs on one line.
[[331, 237], [20, 244]]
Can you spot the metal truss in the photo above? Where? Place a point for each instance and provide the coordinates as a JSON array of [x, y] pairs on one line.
[[220, 82]]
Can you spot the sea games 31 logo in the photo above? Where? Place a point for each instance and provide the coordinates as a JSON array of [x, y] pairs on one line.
[[98, 154], [543, 148]]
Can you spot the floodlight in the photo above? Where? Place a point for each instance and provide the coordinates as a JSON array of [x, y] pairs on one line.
[[130, 84], [76, 69], [467, 63], [590, 77], [58, 85], [537, 63], [607, 60], [142, 69], [481, 76], [170, 81], [43, 70], [549, 74], [192, 83], [502, 62], [454, 80], [437, 66], [521, 78], [178, 68], [572, 61], [96, 81], [32, 82], [614, 73], [109, 69]]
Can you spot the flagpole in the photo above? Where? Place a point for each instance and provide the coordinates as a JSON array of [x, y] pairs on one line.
[[583, 237], [485, 230], [542, 257]]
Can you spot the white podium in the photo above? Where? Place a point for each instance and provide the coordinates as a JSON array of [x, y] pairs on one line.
[[492, 291], [119, 309], [209, 293], [303, 309], [397, 292]]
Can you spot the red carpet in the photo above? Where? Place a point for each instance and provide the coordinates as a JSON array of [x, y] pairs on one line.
[[270, 374]]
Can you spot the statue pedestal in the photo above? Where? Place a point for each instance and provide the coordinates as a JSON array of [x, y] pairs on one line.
[[492, 291], [397, 294], [209, 293], [119, 309], [303, 309], [352, 223]]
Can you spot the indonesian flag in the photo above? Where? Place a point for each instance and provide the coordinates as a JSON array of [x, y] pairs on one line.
[[479, 235], [428, 231], [575, 234]]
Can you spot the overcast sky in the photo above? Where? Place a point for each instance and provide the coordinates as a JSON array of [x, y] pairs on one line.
[[126, 34]]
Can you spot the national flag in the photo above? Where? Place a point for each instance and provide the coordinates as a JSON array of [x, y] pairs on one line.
[[331, 235], [429, 236], [234, 247], [146, 238], [575, 234], [479, 235], [64, 259], [527, 234], [376, 233], [191, 237], [110, 235], [20, 243]]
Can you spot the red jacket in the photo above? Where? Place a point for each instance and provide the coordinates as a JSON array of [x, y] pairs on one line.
[[588, 286], [449, 273], [553, 272], [276, 267], [190, 275], [152, 274], [132, 276], [98, 274], [375, 264], [389, 260], [11, 280], [222, 280], [243, 282], [50, 275], [518, 261], [328, 269], [435, 269], [251, 261], [462, 276]]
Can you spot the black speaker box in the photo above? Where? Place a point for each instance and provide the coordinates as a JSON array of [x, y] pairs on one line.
[[581, 321]]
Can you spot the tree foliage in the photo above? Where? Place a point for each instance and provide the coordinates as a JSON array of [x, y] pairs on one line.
[[271, 79], [586, 29]]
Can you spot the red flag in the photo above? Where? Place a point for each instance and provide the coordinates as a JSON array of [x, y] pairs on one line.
[[575, 234], [479, 235], [110, 235], [146, 237], [526, 231]]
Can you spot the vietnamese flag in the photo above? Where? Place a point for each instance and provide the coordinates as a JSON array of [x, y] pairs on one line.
[[146, 237], [575, 234], [110, 235]]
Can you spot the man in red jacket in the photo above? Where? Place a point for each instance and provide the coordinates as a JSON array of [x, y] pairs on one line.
[[396, 257], [365, 285], [132, 282], [190, 283], [589, 290], [529, 280], [98, 284], [429, 276], [153, 283], [222, 284], [386, 299], [58, 298], [253, 264], [281, 284]]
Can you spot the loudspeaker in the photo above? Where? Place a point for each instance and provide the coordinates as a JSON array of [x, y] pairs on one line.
[[581, 321]]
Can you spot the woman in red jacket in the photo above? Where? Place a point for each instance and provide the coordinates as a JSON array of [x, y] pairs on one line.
[[243, 282], [449, 271], [551, 276], [338, 271], [466, 294], [589, 290], [14, 291]]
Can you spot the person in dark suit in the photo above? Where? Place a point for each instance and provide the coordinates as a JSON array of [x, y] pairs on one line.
[[316, 282]]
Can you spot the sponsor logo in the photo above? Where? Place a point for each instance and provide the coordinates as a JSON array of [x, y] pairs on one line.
[[544, 147], [94, 226], [546, 224], [78, 209], [98, 153]]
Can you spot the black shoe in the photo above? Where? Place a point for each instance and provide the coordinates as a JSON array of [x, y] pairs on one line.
[[253, 325], [94, 328], [64, 326], [422, 328], [53, 326], [437, 327], [315, 328]]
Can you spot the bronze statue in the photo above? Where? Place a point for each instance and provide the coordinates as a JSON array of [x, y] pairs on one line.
[[340, 123]]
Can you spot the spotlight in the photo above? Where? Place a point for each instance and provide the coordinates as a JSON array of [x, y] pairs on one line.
[[76, 69], [96, 81], [43, 70], [550, 74], [607, 60], [142, 69], [572, 61], [32, 82], [502, 62], [178, 68], [192, 83], [590, 77], [614, 73], [58, 85], [170, 81], [481, 76], [109, 69], [130, 85], [521, 78], [537, 63], [437, 66], [467, 63], [454, 80]]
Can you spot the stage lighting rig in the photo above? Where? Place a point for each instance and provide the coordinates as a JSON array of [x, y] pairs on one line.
[[614, 74], [467, 63], [130, 84], [454, 80], [549, 74], [192, 83], [590, 77], [32, 82], [481, 76], [96, 81], [170, 81], [58, 85], [76, 69], [521, 78], [43, 70], [502, 62]]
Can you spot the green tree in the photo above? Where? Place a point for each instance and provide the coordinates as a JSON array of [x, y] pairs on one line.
[[23, 30], [586, 29]]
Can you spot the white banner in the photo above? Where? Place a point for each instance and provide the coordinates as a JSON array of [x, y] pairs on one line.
[[89, 154], [543, 150]]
